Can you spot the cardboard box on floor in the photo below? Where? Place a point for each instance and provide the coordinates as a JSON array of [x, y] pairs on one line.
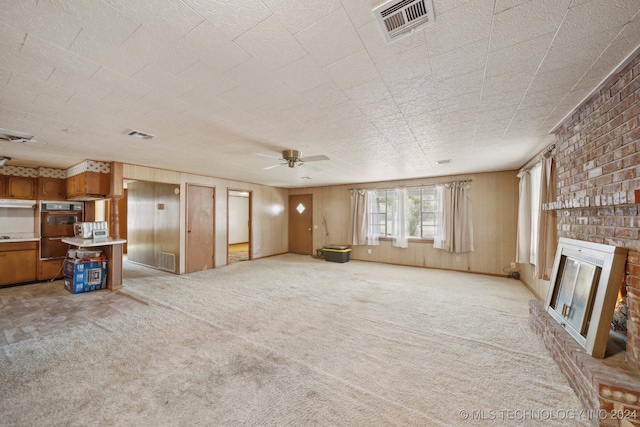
[[84, 276]]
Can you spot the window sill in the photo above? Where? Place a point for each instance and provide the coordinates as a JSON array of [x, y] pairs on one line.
[[411, 240]]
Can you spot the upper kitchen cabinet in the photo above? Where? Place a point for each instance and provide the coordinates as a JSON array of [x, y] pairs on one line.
[[51, 188], [88, 185], [21, 187], [89, 180], [3, 187]]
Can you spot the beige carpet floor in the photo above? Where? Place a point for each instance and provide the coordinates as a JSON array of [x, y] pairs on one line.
[[295, 341]]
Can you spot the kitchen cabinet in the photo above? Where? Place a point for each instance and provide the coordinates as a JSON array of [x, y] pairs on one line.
[[51, 188], [88, 185], [18, 262], [3, 186], [50, 268], [21, 187]]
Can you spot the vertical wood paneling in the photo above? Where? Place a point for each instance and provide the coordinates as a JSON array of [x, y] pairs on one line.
[[494, 198], [269, 213]]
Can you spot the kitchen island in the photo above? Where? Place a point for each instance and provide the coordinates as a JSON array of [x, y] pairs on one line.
[[112, 248]]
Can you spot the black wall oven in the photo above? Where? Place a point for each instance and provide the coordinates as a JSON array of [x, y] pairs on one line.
[[56, 222]]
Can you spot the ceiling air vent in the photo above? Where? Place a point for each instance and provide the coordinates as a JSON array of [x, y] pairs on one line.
[[400, 18], [140, 135]]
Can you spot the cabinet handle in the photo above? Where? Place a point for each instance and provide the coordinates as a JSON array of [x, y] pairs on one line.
[[3, 254]]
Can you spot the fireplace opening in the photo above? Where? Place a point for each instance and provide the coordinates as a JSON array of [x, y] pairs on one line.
[[620, 314]]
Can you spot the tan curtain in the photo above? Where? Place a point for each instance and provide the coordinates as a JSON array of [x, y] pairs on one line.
[[523, 246], [548, 232], [359, 222], [458, 221]]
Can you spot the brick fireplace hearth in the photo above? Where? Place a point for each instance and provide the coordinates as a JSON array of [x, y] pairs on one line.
[[597, 155]]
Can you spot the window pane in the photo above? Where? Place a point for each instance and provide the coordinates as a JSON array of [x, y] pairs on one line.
[[414, 206], [428, 231]]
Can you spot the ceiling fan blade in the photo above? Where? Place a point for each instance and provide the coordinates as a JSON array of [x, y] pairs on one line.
[[274, 166], [267, 155], [314, 158]]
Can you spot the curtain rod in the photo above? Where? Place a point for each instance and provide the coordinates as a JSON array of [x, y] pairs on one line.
[[410, 186], [531, 163]]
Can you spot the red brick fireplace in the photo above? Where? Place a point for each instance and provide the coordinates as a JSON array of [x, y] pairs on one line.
[[597, 158]]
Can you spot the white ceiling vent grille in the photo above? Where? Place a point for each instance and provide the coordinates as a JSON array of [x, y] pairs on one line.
[[141, 135], [400, 18]]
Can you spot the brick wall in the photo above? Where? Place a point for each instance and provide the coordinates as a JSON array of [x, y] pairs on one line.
[[597, 157], [598, 166], [607, 390]]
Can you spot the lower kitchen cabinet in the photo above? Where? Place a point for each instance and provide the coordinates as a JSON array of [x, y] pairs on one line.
[[50, 268], [18, 262]]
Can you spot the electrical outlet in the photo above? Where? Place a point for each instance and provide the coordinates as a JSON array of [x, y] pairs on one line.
[[513, 265], [458, 258], [369, 251]]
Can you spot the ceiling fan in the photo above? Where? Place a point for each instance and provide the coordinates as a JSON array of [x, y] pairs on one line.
[[293, 158]]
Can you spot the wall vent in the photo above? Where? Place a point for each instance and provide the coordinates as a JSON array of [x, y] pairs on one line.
[[166, 261], [399, 18]]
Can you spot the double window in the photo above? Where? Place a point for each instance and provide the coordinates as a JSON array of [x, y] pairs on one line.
[[420, 217]]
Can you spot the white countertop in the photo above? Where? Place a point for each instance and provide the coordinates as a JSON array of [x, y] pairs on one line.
[[20, 239], [90, 243]]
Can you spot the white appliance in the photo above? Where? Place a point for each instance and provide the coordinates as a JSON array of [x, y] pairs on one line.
[[90, 230]]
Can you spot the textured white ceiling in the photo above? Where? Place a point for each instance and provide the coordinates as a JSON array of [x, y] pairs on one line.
[[226, 85]]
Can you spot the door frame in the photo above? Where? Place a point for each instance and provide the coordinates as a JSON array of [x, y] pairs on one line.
[[186, 223], [250, 225]]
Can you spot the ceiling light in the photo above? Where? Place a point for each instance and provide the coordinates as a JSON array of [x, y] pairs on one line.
[[15, 136], [141, 135], [4, 160], [443, 162]]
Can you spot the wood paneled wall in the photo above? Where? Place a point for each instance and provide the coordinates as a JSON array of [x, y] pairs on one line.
[[269, 211], [495, 205]]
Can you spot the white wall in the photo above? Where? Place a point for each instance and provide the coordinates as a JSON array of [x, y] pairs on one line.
[[238, 219]]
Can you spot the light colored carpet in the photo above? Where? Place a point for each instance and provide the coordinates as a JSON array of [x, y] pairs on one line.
[[294, 341]]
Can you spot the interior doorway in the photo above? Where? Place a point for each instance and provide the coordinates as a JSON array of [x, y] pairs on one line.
[[300, 224], [200, 228], [238, 225]]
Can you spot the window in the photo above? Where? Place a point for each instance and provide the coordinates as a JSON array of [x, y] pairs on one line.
[[422, 208]]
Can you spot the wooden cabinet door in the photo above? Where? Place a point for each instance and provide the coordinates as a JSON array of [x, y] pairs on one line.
[[3, 186], [50, 268], [97, 183], [89, 183], [74, 186], [18, 264], [21, 187], [51, 188]]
